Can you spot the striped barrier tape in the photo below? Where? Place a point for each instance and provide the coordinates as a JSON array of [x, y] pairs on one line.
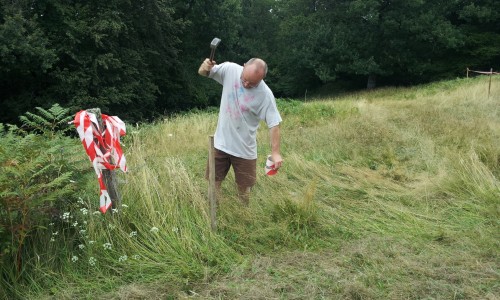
[[94, 139]]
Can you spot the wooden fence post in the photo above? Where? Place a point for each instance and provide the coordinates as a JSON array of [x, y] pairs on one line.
[[211, 184], [108, 175], [489, 87], [467, 72]]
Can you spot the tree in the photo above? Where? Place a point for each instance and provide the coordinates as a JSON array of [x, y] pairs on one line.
[[119, 55], [479, 21], [204, 21], [302, 41], [25, 59], [139, 59], [404, 41]]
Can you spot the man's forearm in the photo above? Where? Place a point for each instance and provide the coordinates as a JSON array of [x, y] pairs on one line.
[[275, 139], [274, 132]]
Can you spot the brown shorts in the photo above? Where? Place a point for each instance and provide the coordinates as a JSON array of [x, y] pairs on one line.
[[244, 169]]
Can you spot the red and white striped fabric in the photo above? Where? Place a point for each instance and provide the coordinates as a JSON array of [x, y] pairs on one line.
[[94, 139]]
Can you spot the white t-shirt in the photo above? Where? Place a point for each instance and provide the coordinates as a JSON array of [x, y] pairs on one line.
[[241, 111]]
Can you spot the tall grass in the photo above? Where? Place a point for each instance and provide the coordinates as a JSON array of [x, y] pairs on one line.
[[386, 194]]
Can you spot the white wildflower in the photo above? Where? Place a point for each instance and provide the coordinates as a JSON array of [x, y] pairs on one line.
[[65, 216], [133, 234], [154, 229], [124, 205], [122, 258], [107, 246], [84, 211], [92, 261], [74, 258], [81, 246]]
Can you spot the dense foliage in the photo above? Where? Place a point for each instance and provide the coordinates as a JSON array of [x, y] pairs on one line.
[[38, 181], [138, 59]]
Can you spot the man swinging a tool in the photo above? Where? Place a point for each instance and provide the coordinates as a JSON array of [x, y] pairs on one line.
[[245, 101]]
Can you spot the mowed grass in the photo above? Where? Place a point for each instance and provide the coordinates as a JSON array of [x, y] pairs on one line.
[[386, 194]]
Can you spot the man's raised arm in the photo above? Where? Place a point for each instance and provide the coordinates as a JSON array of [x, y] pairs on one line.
[[205, 67]]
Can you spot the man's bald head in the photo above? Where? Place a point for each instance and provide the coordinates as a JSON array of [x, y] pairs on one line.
[[253, 72], [259, 64]]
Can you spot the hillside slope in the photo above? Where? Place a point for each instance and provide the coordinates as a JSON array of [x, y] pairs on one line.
[[386, 194]]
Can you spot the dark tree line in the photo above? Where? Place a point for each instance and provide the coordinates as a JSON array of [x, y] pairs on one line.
[[138, 58]]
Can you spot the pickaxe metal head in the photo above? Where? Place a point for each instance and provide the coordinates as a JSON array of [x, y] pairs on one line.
[[213, 45]]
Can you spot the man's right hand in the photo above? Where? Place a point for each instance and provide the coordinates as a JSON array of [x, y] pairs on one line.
[[206, 66]]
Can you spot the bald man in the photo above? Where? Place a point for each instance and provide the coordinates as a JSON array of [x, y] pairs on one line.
[[246, 100]]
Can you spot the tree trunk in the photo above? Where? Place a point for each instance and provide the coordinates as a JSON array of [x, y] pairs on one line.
[[372, 82]]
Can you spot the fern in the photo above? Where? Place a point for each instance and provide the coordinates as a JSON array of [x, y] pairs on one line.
[[35, 179], [50, 121]]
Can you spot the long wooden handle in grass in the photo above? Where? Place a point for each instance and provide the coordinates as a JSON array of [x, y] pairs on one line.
[[211, 183]]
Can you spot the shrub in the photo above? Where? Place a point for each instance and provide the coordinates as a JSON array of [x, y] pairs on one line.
[[35, 183]]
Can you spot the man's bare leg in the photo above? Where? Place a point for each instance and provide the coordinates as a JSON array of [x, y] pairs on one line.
[[244, 195]]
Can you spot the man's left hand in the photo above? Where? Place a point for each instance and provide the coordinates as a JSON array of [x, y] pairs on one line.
[[278, 161]]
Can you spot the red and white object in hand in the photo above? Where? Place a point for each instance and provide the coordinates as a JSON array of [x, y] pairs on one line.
[[269, 169]]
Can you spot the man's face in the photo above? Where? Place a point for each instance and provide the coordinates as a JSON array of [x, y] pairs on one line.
[[251, 76]]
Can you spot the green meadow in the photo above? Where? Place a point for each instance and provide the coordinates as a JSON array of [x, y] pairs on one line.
[[392, 193]]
